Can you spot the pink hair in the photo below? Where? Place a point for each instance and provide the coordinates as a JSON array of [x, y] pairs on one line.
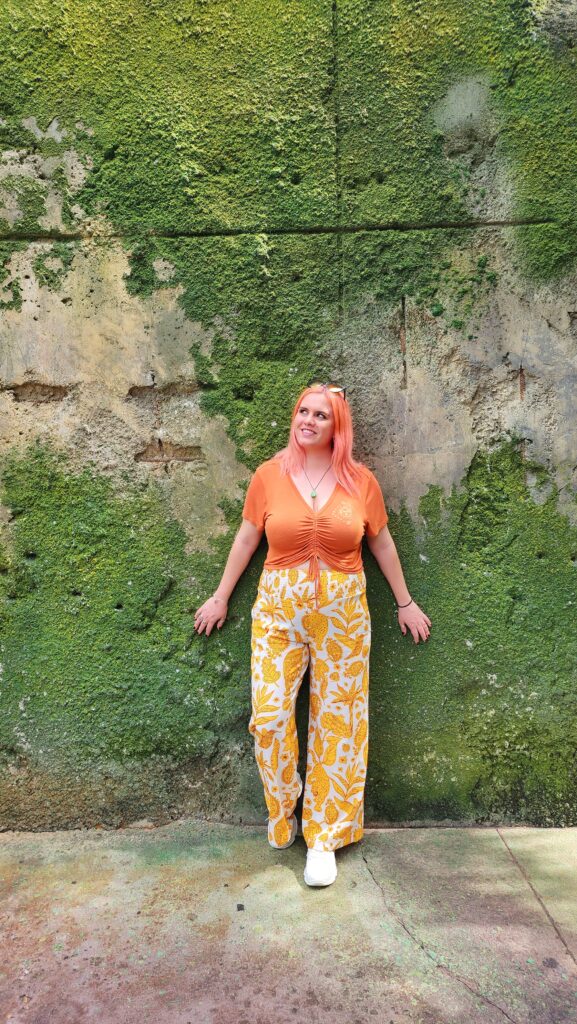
[[346, 469]]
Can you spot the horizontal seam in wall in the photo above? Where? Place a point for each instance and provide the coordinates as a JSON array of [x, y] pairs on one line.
[[329, 229]]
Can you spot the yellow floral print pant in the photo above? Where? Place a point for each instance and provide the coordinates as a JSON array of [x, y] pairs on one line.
[[288, 630]]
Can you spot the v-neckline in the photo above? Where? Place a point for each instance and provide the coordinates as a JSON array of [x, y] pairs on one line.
[[315, 512]]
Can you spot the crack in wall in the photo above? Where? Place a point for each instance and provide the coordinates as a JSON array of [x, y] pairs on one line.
[[313, 229], [521, 382], [432, 956], [163, 452], [338, 174], [403, 341], [168, 390]]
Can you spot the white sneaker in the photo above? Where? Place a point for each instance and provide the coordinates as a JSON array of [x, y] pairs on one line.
[[294, 829], [321, 867]]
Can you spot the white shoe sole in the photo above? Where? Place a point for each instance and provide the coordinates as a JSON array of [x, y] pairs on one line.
[[316, 883]]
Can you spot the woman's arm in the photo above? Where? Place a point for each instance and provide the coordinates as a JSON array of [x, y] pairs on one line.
[[213, 612], [385, 551]]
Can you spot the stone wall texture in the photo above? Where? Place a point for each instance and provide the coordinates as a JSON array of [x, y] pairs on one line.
[[202, 205]]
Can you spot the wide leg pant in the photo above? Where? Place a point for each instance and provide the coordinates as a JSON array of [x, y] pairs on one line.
[[288, 630]]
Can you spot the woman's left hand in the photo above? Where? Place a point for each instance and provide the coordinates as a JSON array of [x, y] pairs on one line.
[[415, 619]]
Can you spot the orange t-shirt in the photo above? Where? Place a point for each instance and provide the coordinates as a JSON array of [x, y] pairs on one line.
[[296, 534]]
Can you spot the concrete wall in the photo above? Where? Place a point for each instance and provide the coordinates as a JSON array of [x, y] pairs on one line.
[[202, 205]]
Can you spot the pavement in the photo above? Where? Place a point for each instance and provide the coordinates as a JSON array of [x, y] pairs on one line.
[[204, 923]]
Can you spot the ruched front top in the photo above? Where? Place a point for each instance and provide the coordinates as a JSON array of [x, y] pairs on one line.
[[296, 534]]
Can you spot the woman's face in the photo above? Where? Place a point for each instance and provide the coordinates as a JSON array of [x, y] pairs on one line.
[[314, 421]]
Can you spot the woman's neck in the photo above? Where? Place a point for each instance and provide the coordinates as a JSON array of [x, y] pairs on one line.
[[318, 460]]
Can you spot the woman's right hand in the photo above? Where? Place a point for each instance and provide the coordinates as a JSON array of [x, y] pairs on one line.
[[212, 612]]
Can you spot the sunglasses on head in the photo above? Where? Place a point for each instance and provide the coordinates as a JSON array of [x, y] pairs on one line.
[[335, 388]]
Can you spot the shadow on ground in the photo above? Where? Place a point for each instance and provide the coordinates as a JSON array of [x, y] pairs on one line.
[[194, 922]]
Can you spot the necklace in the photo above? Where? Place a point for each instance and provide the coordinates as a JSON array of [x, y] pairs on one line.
[[314, 486]]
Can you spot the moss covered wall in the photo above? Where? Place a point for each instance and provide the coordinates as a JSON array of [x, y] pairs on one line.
[[201, 206]]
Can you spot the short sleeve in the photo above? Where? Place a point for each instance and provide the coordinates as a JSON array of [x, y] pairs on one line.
[[376, 515], [254, 503]]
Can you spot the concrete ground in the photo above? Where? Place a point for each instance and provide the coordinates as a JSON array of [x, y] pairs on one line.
[[201, 923]]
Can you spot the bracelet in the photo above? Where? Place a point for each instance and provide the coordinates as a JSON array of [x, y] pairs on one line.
[[405, 605]]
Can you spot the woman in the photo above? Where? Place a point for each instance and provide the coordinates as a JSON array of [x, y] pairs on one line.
[[315, 502]]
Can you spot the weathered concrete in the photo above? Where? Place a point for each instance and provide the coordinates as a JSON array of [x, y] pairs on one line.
[[109, 377], [437, 394], [198, 922]]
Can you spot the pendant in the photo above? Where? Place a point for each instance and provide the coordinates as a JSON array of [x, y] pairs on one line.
[[313, 494]]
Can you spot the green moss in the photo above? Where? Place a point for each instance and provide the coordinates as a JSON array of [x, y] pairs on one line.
[[10, 287], [104, 666], [478, 723], [398, 60], [51, 266], [227, 116], [203, 115], [97, 622], [28, 195], [270, 306], [438, 270], [547, 254], [186, 129]]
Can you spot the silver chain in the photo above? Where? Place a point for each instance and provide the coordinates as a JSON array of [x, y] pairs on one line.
[[314, 486]]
